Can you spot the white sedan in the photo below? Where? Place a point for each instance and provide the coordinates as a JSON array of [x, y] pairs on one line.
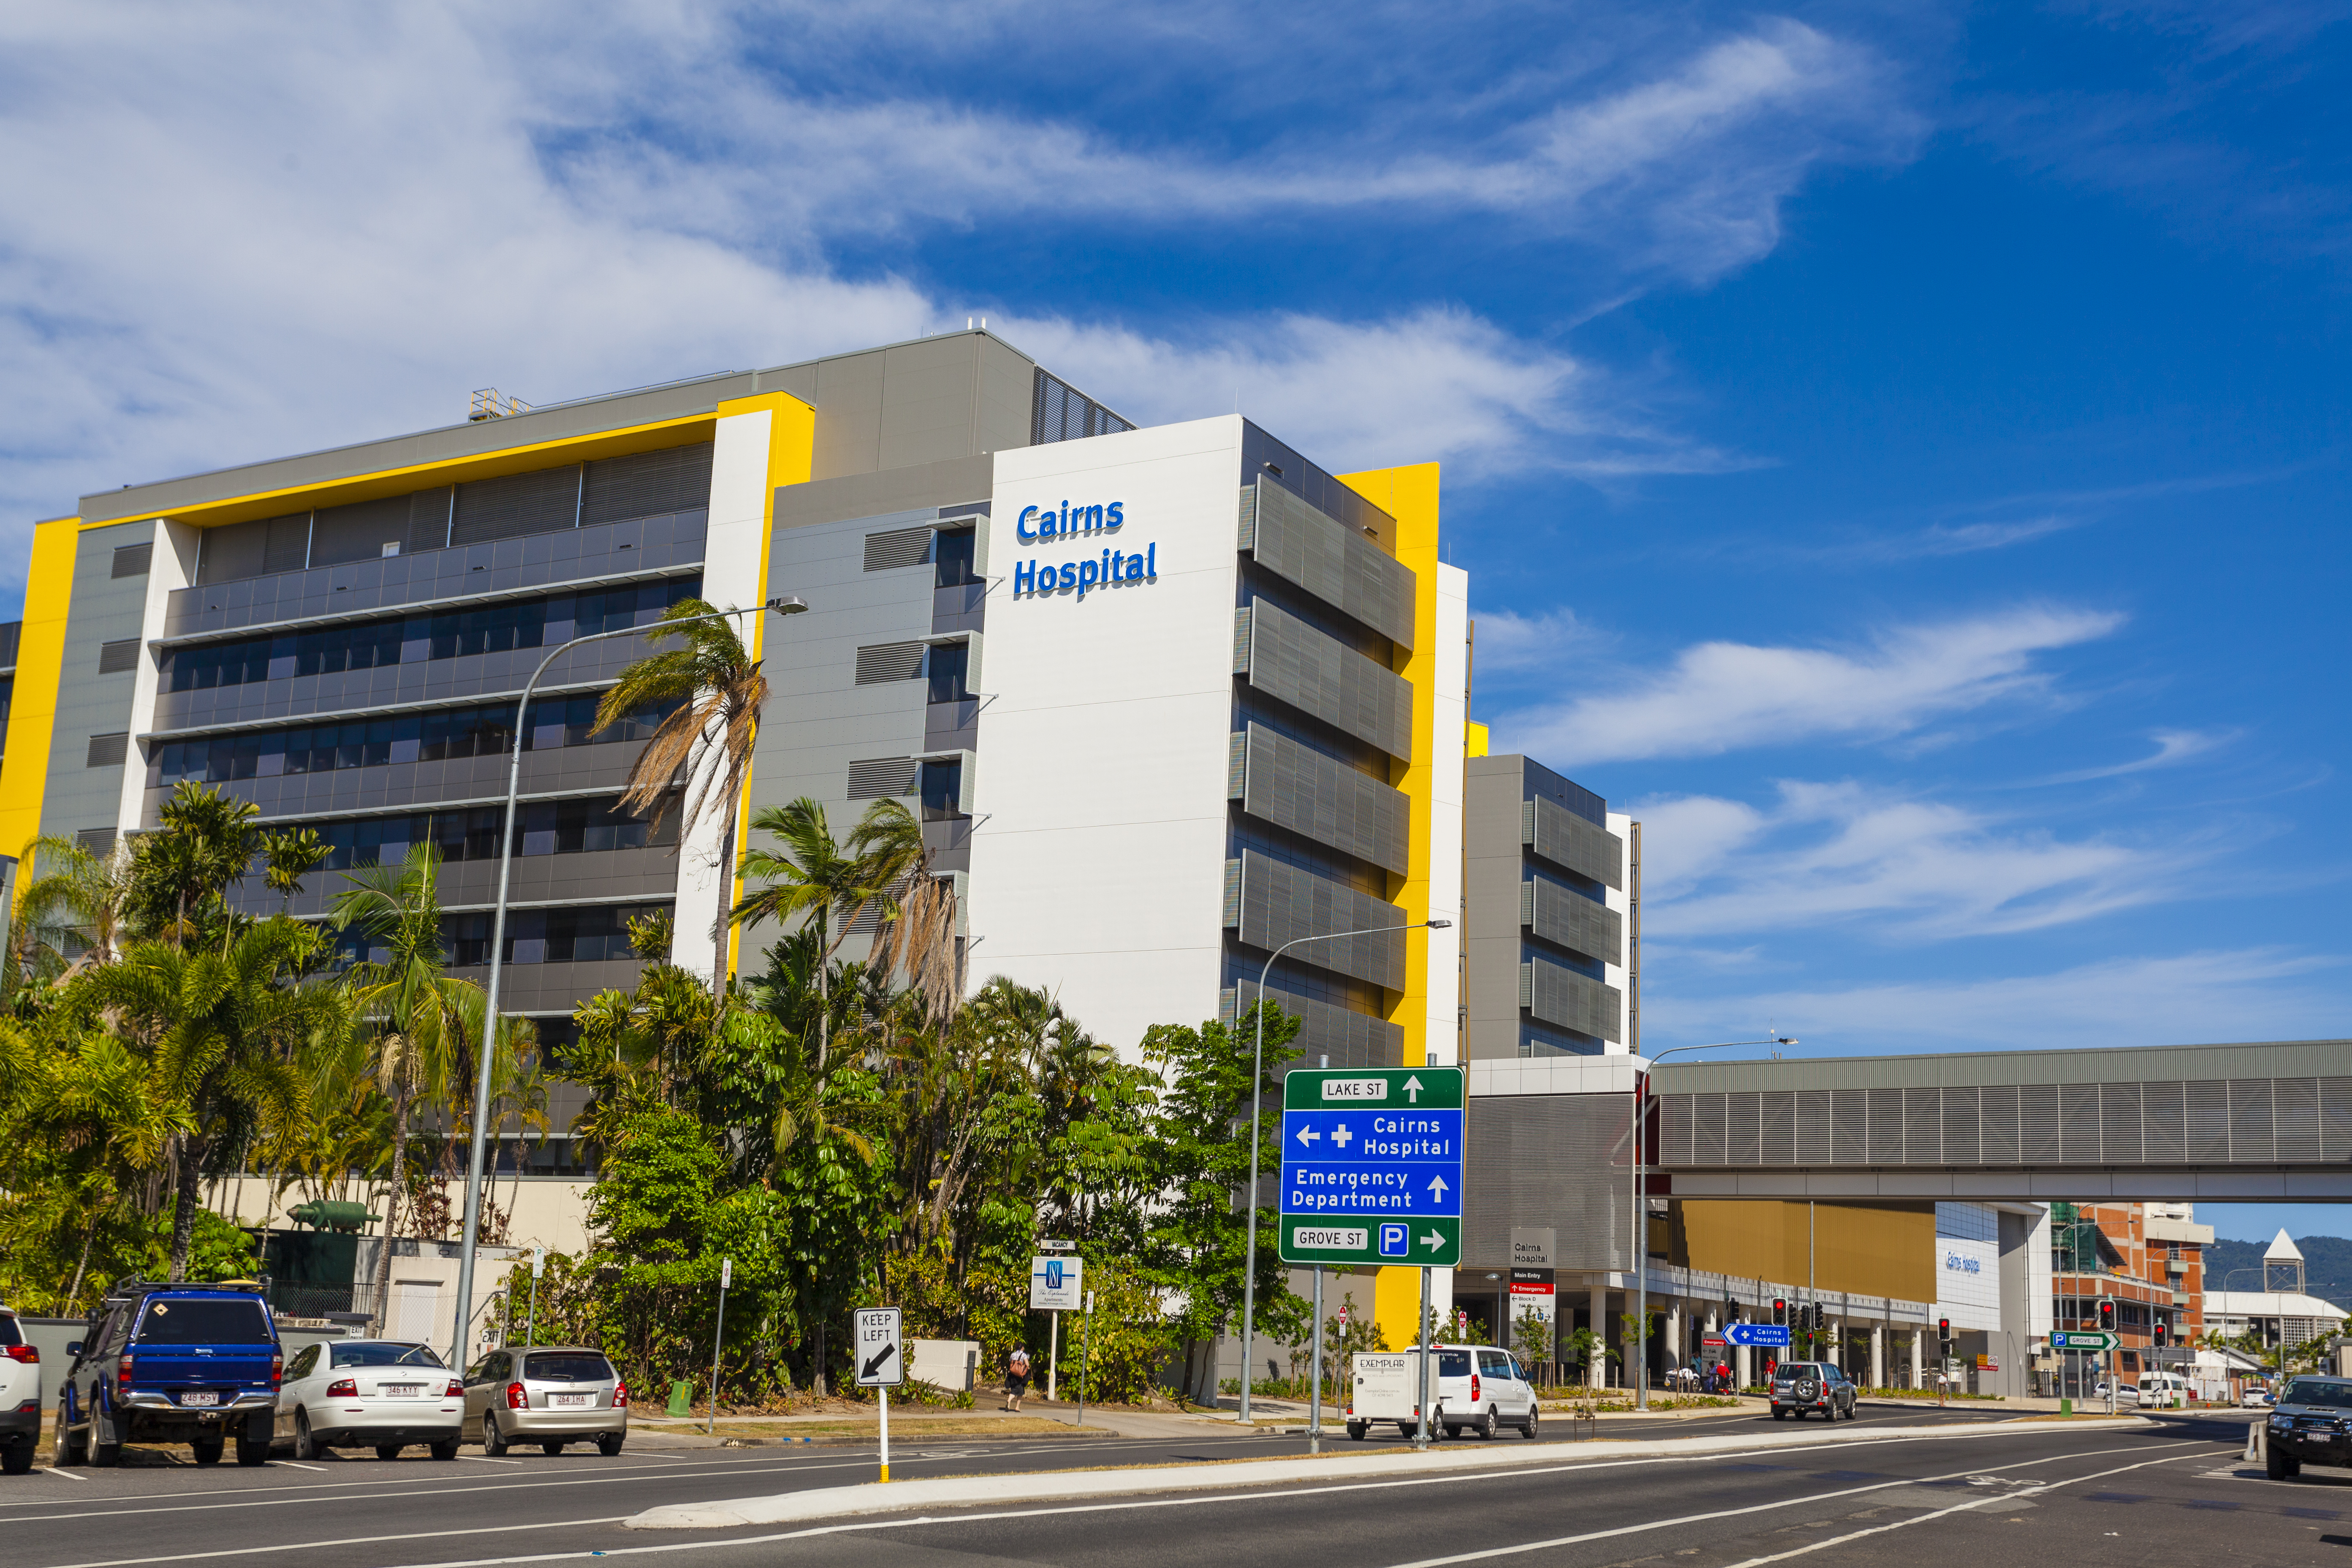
[[2255, 1399], [370, 1394]]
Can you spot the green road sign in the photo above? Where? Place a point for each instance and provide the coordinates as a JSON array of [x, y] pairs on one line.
[[2082, 1340], [1393, 1089], [1342, 1241]]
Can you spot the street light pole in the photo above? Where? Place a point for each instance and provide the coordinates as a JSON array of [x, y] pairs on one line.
[[1258, 1096], [789, 604], [1640, 1236]]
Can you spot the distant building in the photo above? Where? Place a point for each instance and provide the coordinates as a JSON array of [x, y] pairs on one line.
[[2281, 1312], [2148, 1258]]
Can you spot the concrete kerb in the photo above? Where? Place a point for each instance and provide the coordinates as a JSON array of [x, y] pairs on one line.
[[1068, 1486]]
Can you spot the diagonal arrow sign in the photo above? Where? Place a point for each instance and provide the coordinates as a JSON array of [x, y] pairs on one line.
[[1307, 1135], [1411, 1088], [885, 1353]]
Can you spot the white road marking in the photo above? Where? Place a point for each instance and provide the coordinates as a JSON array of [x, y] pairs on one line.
[[313, 1545], [485, 1459], [290, 1464], [68, 1474], [1971, 1504], [1284, 1493]]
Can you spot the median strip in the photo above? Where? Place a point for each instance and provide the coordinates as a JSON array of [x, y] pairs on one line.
[[954, 1491]]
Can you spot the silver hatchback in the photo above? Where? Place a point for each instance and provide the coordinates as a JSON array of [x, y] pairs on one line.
[[547, 1394]]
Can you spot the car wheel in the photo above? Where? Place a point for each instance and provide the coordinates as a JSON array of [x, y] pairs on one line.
[[447, 1450], [209, 1453], [2276, 1465], [17, 1458], [609, 1445], [1356, 1430], [551, 1448], [388, 1450], [492, 1443], [305, 1445], [1485, 1425], [1529, 1429]]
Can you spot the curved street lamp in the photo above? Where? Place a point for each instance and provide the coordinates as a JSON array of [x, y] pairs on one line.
[[788, 604], [1639, 1237], [1257, 1094]]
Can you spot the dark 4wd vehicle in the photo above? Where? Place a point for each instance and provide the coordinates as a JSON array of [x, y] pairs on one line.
[[172, 1363], [2311, 1423], [1805, 1388]]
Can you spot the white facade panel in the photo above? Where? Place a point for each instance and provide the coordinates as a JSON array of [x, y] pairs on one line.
[[171, 566], [1097, 859], [1968, 1266], [1448, 741], [1621, 900]]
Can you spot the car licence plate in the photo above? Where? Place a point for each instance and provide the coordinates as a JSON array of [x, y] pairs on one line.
[[571, 1401], [196, 1398], [402, 1390]]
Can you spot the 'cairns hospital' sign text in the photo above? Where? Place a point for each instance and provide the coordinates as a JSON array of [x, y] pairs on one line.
[[1109, 568]]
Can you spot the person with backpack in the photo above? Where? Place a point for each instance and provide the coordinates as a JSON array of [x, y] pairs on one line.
[[1017, 1378]]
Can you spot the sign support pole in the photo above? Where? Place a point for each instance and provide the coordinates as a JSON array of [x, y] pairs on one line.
[[1053, 1355], [1421, 1394], [885, 1436], [1314, 1375], [530, 1324], [726, 1277], [1085, 1344]]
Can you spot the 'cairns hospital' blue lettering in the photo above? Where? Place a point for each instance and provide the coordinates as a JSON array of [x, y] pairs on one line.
[[1111, 567]]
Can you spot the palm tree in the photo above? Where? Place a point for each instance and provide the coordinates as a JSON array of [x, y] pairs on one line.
[[220, 1030], [810, 880], [78, 899], [179, 876], [718, 691], [917, 932]]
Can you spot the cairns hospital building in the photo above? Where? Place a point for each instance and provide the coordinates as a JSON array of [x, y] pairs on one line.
[[1165, 698]]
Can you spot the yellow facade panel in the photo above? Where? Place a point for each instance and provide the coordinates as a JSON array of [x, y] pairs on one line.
[[1866, 1249], [40, 664]]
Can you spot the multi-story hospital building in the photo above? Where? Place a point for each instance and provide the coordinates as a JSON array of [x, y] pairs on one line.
[[1164, 698]]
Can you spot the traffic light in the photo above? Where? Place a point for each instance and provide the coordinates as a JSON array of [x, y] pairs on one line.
[[1731, 1309], [2108, 1313], [2163, 1333], [1944, 1330], [1779, 1312]]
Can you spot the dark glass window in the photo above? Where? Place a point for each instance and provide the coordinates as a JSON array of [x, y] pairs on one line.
[[485, 731], [587, 934], [949, 666], [954, 557], [566, 1366], [449, 634], [205, 1321], [384, 1353], [471, 832], [942, 790]]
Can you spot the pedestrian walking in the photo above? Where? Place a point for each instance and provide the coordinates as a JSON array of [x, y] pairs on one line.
[[1017, 1378]]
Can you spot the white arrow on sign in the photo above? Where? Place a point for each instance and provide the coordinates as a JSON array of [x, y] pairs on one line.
[[1307, 1135], [1437, 1189], [1413, 1089], [1433, 1241]]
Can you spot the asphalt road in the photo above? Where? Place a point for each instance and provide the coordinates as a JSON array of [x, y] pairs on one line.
[[2170, 1493]]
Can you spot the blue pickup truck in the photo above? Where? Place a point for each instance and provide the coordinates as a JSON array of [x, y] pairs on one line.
[[172, 1363]]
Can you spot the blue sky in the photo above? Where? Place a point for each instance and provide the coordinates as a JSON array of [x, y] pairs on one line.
[[1900, 451]]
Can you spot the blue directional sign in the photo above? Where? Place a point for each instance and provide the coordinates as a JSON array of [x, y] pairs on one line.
[[1372, 1166], [1763, 1336]]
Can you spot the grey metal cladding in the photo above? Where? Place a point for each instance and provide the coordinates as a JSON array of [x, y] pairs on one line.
[[878, 662], [513, 505], [1557, 994], [1349, 1039], [1279, 903], [1322, 798], [98, 841], [877, 777], [898, 547], [1572, 921], [1519, 1180], [1328, 559], [1291, 660], [1569, 842], [116, 657], [648, 484], [133, 559], [108, 751], [105, 608], [2213, 1121]]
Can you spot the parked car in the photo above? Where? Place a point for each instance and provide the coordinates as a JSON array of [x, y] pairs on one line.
[[2255, 1399], [2312, 1425], [2126, 1393], [1475, 1388], [172, 1363], [20, 1397], [547, 1394], [370, 1394], [1801, 1388]]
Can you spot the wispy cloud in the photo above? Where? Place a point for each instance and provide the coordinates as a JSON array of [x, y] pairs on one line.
[[2172, 746], [1723, 696], [1902, 868], [1509, 644], [2189, 998]]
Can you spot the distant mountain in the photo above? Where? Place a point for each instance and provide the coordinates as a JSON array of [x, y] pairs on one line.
[[2326, 1267]]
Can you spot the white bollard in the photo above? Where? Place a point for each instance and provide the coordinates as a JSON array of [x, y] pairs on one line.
[[2257, 1437]]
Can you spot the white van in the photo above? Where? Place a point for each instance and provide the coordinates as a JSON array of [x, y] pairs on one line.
[[1475, 1388], [2163, 1390]]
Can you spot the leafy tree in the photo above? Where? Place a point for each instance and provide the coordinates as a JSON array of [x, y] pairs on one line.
[[182, 874], [715, 691], [814, 880]]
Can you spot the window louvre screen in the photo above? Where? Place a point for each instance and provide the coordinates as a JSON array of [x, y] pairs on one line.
[[133, 560], [648, 484], [285, 542], [108, 751], [98, 841], [1331, 560], [115, 657], [886, 661], [900, 547], [512, 505], [1060, 412], [881, 776]]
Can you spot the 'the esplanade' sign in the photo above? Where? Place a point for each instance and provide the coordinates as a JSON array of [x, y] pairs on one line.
[[1110, 568]]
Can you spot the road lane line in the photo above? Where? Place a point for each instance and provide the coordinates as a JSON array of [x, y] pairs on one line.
[[314, 1545], [1198, 1501], [1957, 1507], [290, 1464], [485, 1459], [68, 1474]]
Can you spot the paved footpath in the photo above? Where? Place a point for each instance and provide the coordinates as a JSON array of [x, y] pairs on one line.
[[1946, 1484]]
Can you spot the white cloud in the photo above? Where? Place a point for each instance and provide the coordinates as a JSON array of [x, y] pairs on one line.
[[2172, 746], [1509, 644], [2187, 998], [1840, 854], [1724, 696]]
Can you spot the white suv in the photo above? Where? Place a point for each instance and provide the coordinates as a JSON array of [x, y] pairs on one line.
[[20, 1397]]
